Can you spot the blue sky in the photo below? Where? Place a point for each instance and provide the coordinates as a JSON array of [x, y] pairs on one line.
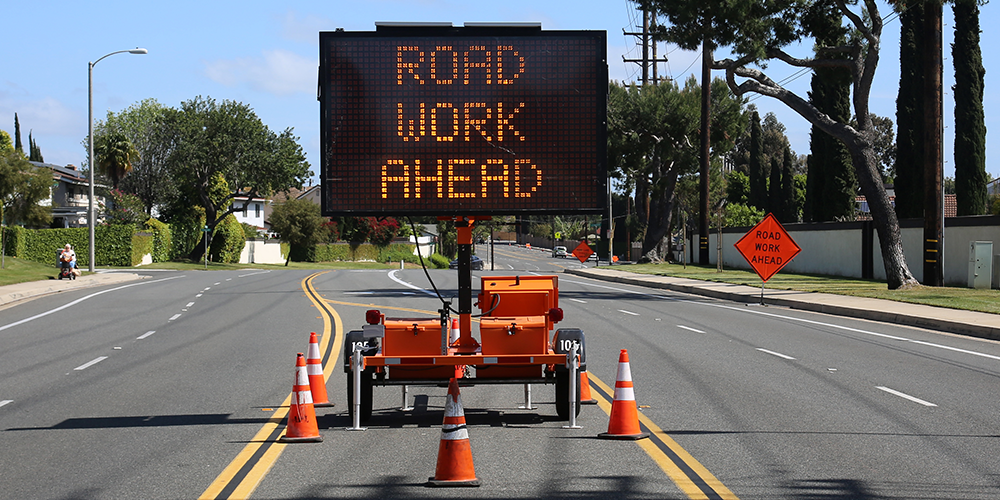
[[265, 54]]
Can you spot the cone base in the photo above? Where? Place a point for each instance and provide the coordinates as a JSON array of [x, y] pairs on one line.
[[308, 439], [624, 437], [324, 405], [589, 402], [441, 483]]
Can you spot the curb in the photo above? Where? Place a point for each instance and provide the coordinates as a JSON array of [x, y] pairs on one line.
[[13, 294], [872, 313]]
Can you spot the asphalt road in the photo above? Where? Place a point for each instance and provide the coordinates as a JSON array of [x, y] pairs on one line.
[[173, 387]]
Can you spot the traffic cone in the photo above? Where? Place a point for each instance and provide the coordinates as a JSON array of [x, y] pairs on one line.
[[317, 382], [454, 463], [624, 422], [585, 397], [301, 416], [455, 331]]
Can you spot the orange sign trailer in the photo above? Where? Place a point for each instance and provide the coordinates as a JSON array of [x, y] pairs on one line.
[[516, 343]]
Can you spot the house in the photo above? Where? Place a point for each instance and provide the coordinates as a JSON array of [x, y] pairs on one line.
[[69, 197], [864, 212], [252, 213]]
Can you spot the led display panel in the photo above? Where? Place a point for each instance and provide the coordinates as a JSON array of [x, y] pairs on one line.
[[463, 121]]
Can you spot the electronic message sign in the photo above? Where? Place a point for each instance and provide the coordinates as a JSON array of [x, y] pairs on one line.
[[463, 121]]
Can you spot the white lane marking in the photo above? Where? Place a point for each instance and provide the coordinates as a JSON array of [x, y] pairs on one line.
[[81, 299], [252, 274], [790, 318], [90, 363], [140, 337], [229, 279], [6, 402], [189, 304], [905, 396], [359, 293], [207, 288], [628, 312], [217, 283], [174, 317], [695, 330], [772, 353], [199, 295], [392, 276], [578, 300]]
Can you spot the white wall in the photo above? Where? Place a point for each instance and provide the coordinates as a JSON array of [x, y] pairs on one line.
[[837, 252], [262, 252]]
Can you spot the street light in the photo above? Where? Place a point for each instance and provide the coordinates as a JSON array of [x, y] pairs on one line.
[[90, 147]]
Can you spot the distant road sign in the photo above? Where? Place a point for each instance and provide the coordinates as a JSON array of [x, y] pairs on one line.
[[583, 251], [767, 247]]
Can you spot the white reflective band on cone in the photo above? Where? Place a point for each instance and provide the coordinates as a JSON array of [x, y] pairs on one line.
[[624, 394], [624, 372], [454, 433], [304, 398], [314, 369]]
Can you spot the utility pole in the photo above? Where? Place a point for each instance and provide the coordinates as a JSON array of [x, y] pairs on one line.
[[706, 105], [933, 120], [647, 42]]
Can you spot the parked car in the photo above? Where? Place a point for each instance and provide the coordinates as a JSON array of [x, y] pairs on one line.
[[559, 252], [477, 264]]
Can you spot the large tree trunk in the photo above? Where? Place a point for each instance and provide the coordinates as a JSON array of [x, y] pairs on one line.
[[883, 216], [656, 245]]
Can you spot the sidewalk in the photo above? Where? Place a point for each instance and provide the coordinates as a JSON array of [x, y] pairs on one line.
[[971, 323], [10, 294]]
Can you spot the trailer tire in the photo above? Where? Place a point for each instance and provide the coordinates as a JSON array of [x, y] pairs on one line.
[[562, 393], [366, 395]]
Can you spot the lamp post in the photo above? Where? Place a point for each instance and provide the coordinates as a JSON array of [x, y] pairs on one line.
[[90, 148]]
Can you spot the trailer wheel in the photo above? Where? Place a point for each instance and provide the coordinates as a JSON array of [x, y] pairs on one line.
[[366, 395], [562, 394]]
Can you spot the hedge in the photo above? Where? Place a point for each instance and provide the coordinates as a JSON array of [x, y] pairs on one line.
[[161, 239], [116, 245], [332, 252], [228, 241]]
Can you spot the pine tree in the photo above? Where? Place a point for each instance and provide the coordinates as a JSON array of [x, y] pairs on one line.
[[970, 129], [758, 178], [909, 176]]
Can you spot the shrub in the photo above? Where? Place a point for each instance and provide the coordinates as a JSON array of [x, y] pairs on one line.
[[161, 239], [227, 241], [440, 261]]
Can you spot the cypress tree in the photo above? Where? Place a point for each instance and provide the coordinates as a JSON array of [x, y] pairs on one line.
[[789, 212], [830, 168], [970, 129], [774, 189], [812, 173], [909, 175], [758, 179], [17, 136]]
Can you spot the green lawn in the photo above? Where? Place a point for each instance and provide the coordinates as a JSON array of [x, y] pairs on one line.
[[19, 271], [955, 298]]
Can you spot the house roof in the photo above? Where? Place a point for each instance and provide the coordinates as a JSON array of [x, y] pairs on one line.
[[68, 174]]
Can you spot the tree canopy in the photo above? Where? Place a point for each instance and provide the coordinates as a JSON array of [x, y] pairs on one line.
[[757, 34], [209, 140]]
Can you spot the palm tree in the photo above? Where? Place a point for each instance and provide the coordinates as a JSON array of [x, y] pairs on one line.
[[115, 155]]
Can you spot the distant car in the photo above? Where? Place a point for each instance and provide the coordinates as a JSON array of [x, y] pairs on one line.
[[477, 264], [559, 252]]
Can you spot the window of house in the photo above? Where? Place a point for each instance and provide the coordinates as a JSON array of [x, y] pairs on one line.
[[256, 210]]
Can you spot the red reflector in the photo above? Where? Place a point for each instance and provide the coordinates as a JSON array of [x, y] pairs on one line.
[[373, 317], [556, 314]]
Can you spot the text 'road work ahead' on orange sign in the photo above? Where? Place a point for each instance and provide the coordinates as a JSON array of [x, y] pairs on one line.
[[583, 251], [767, 247]]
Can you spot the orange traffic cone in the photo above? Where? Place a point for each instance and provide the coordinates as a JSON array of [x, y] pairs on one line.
[[624, 422], [301, 416], [455, 331], [585, 397], [314, 366], [454, 464]]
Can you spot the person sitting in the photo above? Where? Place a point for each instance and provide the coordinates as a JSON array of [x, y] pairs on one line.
[[67, 258]]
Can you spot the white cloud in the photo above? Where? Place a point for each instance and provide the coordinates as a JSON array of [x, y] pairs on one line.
[[278, 72]]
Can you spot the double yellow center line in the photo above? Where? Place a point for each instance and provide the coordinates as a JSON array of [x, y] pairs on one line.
[[245, 472]]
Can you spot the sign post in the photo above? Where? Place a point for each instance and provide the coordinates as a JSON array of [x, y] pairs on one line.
[[767, 248]]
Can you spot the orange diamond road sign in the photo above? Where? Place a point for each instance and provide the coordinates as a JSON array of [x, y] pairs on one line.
[[583, 251], [767, 247]]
